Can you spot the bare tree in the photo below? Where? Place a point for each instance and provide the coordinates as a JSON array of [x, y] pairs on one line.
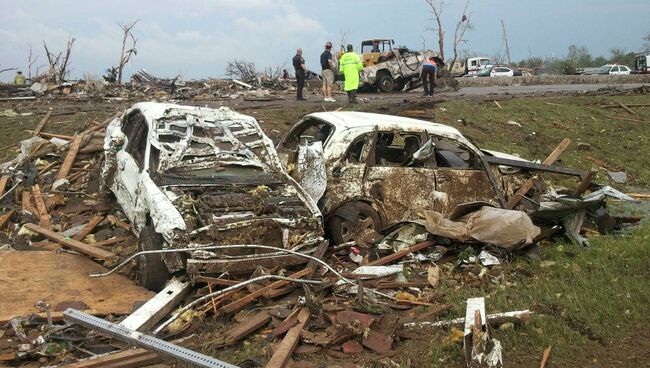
[[646, 38], [461, 27], [58, 64], [31, 60], [8, 69], [243, 70], [125, 55], [436, 10]]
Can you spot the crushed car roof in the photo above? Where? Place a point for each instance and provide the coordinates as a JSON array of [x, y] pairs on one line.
[[352, 119]]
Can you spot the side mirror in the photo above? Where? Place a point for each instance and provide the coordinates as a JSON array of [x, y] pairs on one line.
[[425, 152]]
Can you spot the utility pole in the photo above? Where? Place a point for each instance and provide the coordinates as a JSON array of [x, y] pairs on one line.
[[505, 38]]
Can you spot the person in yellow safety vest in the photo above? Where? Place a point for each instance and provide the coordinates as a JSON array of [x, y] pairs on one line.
[[350, 65], [19, 79]]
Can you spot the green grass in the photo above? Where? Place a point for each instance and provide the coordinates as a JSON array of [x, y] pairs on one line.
[[620, 143]]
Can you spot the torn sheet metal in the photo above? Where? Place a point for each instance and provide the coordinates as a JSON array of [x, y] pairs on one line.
[[404, 237], [311, 169]]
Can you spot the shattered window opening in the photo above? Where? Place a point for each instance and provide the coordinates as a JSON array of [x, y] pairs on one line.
[[396, 149], [452, 154], [311, 130]]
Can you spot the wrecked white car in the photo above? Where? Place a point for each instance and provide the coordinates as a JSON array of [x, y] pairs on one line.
[[377, 171], [188, 177]]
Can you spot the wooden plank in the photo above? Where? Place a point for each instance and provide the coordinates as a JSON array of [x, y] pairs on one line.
[[52, 135], [122, 357], [90, 226], [286, 324], [247, 327], [61, 278], [626, 108], [604, 164], [397, 255], [240, 303], [528, 185], [111, 241], [117, 222], [215, 280], [151, 312], [545, 355], [584, 183], [288, 345], [42, 123], [71, 243], [27, 202], [44, 217], [3, 184], [627, 119], [5, 218], [70, 157]]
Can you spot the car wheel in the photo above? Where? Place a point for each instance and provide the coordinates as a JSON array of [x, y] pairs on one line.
[[152, 271], [351, 221], [385, 83]]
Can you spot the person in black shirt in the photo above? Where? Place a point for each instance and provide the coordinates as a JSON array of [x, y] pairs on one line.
[[328, 66], [301, 74]]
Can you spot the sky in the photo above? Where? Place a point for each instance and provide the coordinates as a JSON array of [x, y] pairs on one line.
[[196, 38]]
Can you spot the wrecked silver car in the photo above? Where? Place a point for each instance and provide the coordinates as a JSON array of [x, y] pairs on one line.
[[187, 177], [371, 172]]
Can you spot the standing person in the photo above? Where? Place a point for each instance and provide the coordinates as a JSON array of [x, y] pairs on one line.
[[301, 74], [327, 64], [350, 65], [19, 79], [428, 73]]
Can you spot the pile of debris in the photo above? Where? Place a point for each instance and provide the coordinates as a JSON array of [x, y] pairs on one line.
[[363, 296]]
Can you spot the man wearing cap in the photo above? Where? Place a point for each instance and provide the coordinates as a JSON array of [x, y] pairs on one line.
[[350, 65], [327, 64], [301, 74]]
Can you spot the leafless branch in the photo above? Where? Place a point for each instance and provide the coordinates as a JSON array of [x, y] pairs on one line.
[[436, 10], [243, 70], [125, 55], [461, 27]]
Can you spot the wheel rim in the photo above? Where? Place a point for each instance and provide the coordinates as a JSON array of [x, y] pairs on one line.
[[352, 230]]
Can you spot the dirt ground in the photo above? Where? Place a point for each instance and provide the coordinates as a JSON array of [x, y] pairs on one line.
[[594, 346]]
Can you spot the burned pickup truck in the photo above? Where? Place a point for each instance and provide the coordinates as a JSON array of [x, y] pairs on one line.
[[189, 178]]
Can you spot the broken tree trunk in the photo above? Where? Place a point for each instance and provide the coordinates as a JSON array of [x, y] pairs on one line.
[[530, 182], [71, 243]]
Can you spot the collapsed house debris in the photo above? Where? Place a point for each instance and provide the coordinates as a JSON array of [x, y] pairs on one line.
[[232, 233]]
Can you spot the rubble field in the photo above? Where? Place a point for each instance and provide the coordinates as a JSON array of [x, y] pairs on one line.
[[419, 297]]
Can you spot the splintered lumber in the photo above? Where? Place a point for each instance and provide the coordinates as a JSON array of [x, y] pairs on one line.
[[151, 312], [103, 124], [288, 345], [397, 255], [604, 164], [42, 123], [626, 108], [27, 202], [70, 157], [44, 217], [5, 218], [71, 243], [498, 105], [286, 324], [585, 182], [545, 355], [111, 241], [530, 182], [90, 226], [117, 222], [3, 184], [627, 119], [122, 359], [51, 135], [247, 327], [240, 303]]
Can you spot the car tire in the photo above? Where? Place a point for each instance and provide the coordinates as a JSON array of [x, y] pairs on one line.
[[152, 271], [385, 82], [342, 228]]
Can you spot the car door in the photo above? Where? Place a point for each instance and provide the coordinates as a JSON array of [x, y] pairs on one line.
[[402, 188], [460, 176], [614, 70], [130, 164]]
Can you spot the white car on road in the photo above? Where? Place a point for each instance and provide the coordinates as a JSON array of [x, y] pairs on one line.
[[501, 71], [617, 69]]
